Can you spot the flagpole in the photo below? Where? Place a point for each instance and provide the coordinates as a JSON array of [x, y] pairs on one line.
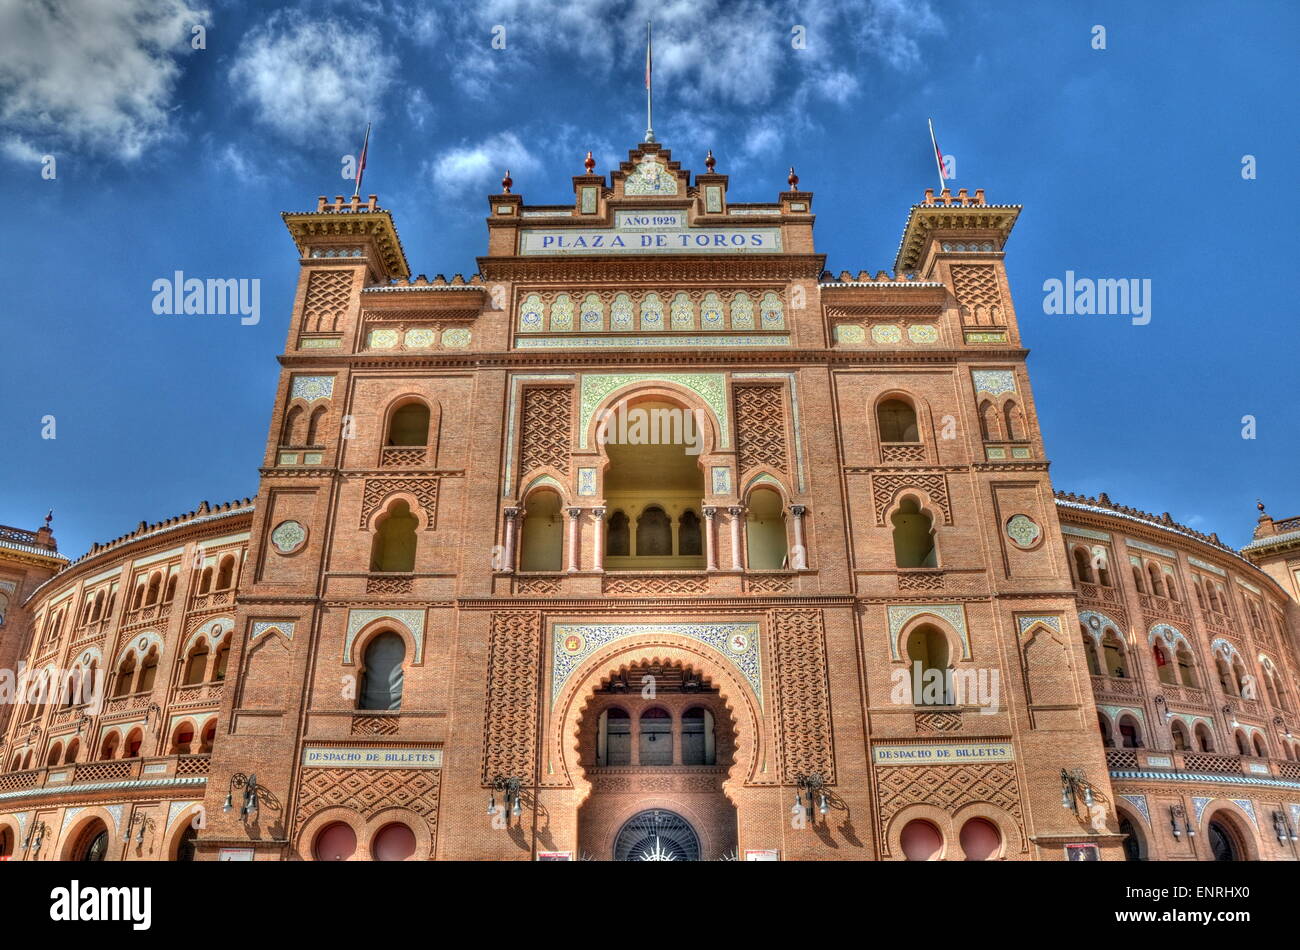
[[937, 164], [649, 94], [361, 162]]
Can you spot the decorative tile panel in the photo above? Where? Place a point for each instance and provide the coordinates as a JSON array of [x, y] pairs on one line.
[[311, 388], [737, 643], [412, 620], [995, 382], [711, 387], [953, 614]]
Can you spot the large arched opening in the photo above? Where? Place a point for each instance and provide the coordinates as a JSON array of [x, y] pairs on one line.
[[654, 483], [656, 741]]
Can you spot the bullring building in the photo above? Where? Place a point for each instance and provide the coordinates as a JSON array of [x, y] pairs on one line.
[[654, 540]]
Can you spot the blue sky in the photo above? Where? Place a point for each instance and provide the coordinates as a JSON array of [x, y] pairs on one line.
[[1127, 161]]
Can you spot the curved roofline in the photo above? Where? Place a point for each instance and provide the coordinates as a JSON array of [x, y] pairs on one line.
[[201, 515], [1147, 520]]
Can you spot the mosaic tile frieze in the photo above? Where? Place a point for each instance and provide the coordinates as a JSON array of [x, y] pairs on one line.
[[649, 311]]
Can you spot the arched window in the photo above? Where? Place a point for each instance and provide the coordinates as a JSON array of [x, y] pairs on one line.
[[335, 842], [980, 840], [654, 533], [138, 602], [541, 545], [897, 421], [393, 842], [409, 425], [182, 740], [913, 536], [292, 426], [1226, 681], [1258, 741], [226, 573], [1130, 732], [921, 841], [1171, 588], [1243, 745], [196, 666], [1270, 685], [1164, 668], [1199, 592], [688, 534], [1116, 656], [927, 646], [71, 755], [697, 737], [208, 738], [131, 749], [94, 843], [617, 535], [1082, 565], [155, 589], [381, 678], [1134, 846], [316, 426], [1204, 741], [1187, 667], [1153, 572], [656, 745], [148, 671], [223, 657], [614, 746], [52, 758], [170, 593], [1179, 734], [1241, 678], [765, 531], [393, 550], [1015, 421], [1090, 653], [1223, 843], [125, 677], [990, 422], [205, 581], [109, 748]]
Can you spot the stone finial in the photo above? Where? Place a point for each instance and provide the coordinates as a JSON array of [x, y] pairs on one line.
[[588, 163], [793, 180], [506, 182], [710, 161]]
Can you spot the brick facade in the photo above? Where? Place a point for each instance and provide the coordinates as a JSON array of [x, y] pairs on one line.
[[870, 498]]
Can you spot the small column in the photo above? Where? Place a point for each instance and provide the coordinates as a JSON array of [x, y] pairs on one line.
[[800, 559], [710, 550], [513, 516], [574, 514], [598, 548], [736, 514]]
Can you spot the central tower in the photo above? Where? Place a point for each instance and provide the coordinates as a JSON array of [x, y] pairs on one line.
[[651, 530]]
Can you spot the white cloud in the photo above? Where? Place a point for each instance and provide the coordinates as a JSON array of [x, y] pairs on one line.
[[93, 76], [19, 149], [306, 78], [473, 166], [893, 29]]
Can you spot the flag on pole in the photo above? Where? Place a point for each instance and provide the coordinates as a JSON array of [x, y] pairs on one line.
[[649, 95], [938, 155], [361, 162]]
